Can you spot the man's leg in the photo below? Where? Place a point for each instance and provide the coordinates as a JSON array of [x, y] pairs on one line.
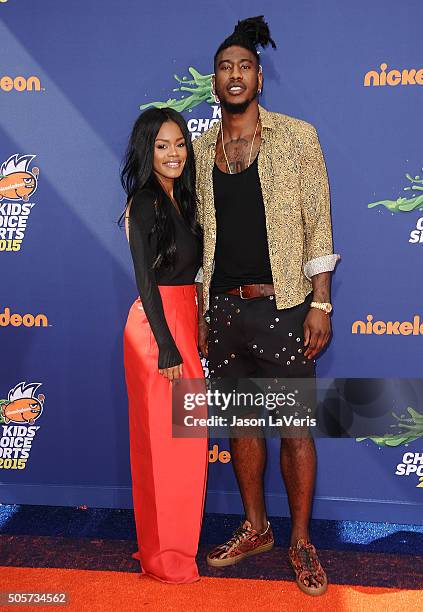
[[249, 459], [279, 352], [298, 454], [298, 466], [230, 358]]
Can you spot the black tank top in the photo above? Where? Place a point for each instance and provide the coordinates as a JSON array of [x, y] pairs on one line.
[[242, 253]]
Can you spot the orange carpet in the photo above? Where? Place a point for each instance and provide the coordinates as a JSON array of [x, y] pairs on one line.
[[93, 591]]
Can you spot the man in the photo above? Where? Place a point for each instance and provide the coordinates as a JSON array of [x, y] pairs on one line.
[[264, 207]]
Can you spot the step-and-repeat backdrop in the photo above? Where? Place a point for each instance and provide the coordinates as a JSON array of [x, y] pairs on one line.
[[73, 78]]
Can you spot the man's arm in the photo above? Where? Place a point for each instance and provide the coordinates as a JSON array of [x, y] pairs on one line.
[[317, 326], [321, 260], [315, 206], [203, 328]]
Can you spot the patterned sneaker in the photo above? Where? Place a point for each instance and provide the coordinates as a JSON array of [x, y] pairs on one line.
[[309, 574], [244, 543]]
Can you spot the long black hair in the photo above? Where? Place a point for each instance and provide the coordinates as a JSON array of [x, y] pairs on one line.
[[137, 173], [248, 33]]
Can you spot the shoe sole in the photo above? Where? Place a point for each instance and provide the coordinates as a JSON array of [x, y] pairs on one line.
[[312, 591], [238, 558]]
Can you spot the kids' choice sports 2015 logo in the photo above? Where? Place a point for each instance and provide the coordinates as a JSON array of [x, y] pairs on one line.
[[406, 205], [18, 183], [411, 465], [192, 92], [18, 414], [407, 429]]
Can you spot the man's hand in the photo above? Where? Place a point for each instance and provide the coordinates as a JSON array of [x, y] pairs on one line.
[[317, 331], [203, 328], [203, 334]]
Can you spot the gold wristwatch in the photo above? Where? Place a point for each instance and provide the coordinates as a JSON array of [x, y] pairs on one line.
[[325, 306]]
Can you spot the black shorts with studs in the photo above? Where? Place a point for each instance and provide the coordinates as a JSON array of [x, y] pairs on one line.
[[252, 339]]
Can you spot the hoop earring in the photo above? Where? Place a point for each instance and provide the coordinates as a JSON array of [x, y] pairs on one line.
[[216, 99]]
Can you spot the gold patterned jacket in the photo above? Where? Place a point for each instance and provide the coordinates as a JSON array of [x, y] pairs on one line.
[[296, 200]]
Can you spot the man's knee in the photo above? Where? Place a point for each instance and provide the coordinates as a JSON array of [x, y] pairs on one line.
[[297, 445], [246, 444]]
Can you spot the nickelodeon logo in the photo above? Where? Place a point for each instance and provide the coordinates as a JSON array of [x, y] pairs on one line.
[[27, 320], [223, 456], [20, 83], [391, 328], [411, 76]]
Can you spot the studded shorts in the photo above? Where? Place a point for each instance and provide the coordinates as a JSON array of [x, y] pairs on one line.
[[252, 339]]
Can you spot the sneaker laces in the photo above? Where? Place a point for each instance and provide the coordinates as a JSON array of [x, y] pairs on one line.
[[242, 533], [239, 534], [306, 557]]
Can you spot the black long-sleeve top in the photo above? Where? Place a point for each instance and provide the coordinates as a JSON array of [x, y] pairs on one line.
[[143, 245]]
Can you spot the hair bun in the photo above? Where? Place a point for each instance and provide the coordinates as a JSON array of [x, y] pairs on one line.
[[256, 30]]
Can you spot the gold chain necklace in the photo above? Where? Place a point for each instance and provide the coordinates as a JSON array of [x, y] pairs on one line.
[[251, 149]]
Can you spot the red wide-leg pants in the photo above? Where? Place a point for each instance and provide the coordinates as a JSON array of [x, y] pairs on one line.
[[168, 474]]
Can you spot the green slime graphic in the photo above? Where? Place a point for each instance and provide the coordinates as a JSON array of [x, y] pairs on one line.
[[199, 91], [3, 402], [412, 430], [404, 204]]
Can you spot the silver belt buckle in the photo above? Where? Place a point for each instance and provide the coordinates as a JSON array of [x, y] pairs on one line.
[[240, 293]]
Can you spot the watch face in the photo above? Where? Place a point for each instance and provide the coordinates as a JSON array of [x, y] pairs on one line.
[[328, 308]]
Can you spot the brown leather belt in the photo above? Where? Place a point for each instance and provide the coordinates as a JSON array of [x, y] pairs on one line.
[[247, 292]]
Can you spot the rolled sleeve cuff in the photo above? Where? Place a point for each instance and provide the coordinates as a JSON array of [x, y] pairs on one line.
[[326, 263], [199, 277]]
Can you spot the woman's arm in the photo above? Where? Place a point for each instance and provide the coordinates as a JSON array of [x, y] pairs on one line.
[[141, 221]]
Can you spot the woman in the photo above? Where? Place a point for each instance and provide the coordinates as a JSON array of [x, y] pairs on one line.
[[160, 343]]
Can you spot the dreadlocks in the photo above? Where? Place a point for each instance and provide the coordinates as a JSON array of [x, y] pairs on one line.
[[248, 33]]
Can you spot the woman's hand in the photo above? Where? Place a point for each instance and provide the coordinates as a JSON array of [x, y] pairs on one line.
[[172, 373]]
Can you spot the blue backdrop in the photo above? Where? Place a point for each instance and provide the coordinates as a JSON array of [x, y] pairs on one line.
[[73, 76]]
